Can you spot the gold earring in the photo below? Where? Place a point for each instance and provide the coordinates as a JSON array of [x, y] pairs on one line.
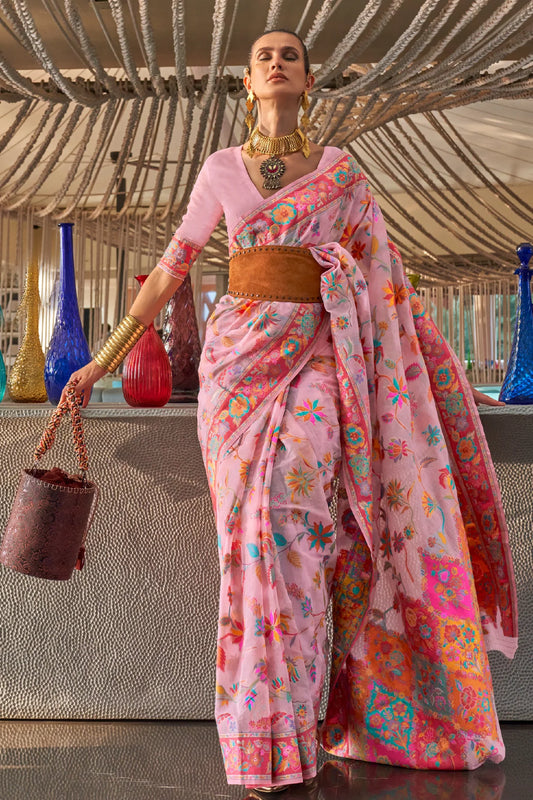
[[250, 102], [304, 103]]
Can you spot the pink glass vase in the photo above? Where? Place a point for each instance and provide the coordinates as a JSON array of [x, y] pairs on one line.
[[147, 376]]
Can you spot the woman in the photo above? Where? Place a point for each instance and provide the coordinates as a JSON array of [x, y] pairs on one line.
[[324, 382]]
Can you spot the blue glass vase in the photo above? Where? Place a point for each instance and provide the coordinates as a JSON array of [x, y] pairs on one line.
[[68, 349], [518, 383], [2, 367]]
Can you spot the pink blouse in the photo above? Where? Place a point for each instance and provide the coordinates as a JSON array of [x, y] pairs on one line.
[[223, 187]]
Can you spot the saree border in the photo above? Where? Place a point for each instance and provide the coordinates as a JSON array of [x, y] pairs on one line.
[[293, 207], [483, 532]]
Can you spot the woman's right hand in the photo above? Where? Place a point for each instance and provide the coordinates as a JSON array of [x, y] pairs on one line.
[[84, 379], [155, 292]]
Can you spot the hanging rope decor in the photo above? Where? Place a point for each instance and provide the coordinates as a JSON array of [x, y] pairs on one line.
[[116, 144]]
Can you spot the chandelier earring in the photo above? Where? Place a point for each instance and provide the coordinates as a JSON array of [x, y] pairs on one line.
[[250, 103], [305, 103]]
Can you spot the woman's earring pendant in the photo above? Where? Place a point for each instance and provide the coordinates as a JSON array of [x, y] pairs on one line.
[[305, 103], [249, 118], [304, 124]]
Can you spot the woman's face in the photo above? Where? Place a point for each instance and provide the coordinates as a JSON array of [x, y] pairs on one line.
[[277, 67]]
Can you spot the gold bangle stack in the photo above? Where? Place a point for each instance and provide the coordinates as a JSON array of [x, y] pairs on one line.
[[119, 344]]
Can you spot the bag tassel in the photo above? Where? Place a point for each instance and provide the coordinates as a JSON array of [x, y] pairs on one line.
[[80, 563]]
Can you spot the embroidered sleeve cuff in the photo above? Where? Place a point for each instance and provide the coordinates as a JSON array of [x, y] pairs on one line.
[[179, 257]]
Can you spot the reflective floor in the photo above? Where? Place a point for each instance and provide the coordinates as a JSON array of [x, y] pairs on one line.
[[178, 760]]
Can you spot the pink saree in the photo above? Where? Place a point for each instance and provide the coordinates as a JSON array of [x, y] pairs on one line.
[[346, 461]]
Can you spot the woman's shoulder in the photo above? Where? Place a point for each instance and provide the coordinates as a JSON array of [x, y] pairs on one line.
[[223, 157], [332, 152], [338, 158]]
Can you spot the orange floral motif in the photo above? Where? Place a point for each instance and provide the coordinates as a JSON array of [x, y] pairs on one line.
[[395, 294], [391, 654], [428, 504], [320, 535], [239, 406], [283, 213], [358, 250], [300, 481], [395, 494], [466, 449]]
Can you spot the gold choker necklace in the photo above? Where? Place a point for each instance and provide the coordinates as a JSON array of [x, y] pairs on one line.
[[273, 167], [278, 145]]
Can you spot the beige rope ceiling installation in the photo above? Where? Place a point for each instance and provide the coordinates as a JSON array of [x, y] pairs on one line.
[[106, 100]]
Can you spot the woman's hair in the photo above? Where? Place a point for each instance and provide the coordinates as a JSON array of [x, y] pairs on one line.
[[307, 65]]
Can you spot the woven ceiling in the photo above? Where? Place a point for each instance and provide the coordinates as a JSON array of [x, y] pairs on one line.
[[106, 101]]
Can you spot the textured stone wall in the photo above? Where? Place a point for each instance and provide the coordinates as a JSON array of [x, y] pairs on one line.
[[133, 635]]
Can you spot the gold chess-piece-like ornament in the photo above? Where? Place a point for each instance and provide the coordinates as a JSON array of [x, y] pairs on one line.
[[250, 103], [26, 379]]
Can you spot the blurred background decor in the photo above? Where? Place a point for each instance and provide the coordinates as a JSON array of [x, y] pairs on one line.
[[518, 382], [182, 343], [26, 378], [68, 349], [147, 377], [2, 367], [108, 109]]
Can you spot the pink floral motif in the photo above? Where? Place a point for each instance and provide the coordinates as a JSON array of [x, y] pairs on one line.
[[179, 257]]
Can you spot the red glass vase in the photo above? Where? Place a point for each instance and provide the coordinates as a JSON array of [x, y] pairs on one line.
[[147, 376]]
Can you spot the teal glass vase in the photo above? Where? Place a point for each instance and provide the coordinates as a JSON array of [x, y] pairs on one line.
[[517, 386], [68, 349]]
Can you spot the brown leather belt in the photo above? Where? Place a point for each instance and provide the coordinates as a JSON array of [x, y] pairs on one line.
[[273, 272]]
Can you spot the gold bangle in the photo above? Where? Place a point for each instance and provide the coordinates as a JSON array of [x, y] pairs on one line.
[[119, 344]]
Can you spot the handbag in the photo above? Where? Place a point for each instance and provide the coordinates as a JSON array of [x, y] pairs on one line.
[[52, 511]]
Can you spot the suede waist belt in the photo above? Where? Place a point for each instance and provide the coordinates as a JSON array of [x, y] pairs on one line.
[[274, 272]]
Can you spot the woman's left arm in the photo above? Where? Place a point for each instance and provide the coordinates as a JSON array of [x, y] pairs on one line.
[[485, 399]]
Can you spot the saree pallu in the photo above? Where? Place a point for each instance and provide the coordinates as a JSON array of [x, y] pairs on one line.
[[355, 401]]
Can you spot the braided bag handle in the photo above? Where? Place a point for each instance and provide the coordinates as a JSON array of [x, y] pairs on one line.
[[72, 405]]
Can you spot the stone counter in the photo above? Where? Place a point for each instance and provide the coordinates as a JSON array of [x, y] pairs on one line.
[[133, 635]]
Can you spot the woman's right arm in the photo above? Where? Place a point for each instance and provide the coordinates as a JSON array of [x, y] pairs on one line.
[[156, 291], [203, 214]]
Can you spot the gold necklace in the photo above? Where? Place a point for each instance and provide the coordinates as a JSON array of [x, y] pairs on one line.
[[278, 145], [273, 167]]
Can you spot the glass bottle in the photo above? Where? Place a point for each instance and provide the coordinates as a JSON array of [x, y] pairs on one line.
[[182, 343], [26, 379], [68, 349], [147, 377], [518, 382]]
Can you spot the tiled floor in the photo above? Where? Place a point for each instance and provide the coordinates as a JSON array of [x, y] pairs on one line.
[[181, 761]]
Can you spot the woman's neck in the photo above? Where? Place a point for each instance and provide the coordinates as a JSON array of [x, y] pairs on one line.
[[274, 121]]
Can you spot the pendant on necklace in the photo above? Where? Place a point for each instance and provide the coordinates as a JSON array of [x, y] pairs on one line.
[[272, 169]]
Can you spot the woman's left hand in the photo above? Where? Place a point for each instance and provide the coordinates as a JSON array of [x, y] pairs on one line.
[[479, 397]]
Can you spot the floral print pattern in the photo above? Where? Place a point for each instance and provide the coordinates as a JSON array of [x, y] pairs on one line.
[[357, 400], [179, 256]]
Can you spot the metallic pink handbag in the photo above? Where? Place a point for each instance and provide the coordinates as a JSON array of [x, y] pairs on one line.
[[52, 511]]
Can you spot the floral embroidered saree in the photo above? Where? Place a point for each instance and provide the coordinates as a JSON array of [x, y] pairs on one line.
[[346, 462]]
